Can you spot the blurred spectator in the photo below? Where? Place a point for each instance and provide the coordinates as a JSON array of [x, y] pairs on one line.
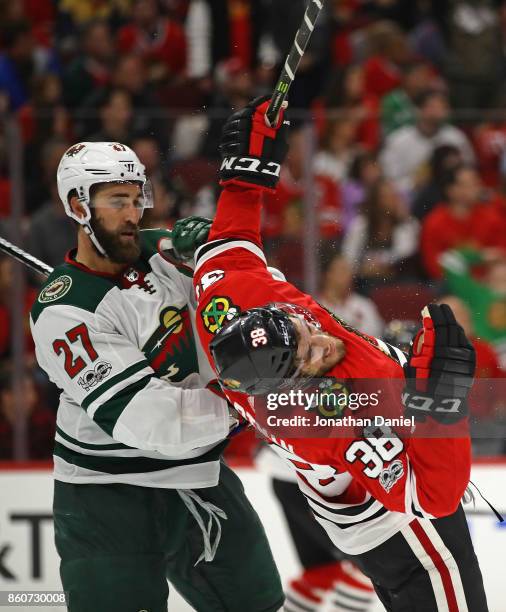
[[161, 41], [459, 221], [363, 174], [116, 116], [400, 333], [233, 90], [287, 202], [389, 51], [338, 296], [51, 233], [129, 75], [486, 397], [20, 62], [398, 107], [337, 150], [6, 282], [408, 149], [148, 152], [485, 295], [346, 96], [443, 159], [81, 12], [92, 67], [40, 420], [283, 21], [382, 239], [474, 51], [489, 139]]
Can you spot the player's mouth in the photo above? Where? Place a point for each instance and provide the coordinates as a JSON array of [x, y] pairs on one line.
[[129, 235]]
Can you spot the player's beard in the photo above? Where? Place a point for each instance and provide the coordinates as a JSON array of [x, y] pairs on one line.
[[118, 250]]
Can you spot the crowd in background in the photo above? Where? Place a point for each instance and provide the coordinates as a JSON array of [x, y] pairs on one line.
[[398, 131]]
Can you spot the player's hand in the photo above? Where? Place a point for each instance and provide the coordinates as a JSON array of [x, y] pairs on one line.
[[236, 423], [252, 152], [440, 368], [188, 235]]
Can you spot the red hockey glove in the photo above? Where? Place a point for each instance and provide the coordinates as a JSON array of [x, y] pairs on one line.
[[252, 152], [440, 368]]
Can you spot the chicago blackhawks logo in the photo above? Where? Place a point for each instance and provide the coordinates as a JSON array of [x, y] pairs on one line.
[[332, 398], [56, 289], [217, 312], [170, 349]]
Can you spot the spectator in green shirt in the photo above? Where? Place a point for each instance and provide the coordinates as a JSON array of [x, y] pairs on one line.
[[397, 108], [485, 296]]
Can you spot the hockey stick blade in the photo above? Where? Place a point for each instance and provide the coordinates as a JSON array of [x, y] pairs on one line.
[[24, 257], [292, 61]]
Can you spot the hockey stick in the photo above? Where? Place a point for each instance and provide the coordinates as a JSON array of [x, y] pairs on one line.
[[292, 61], [24, 257]]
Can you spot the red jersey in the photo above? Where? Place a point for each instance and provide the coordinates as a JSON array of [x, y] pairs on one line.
[[361, 490], [442, 231]]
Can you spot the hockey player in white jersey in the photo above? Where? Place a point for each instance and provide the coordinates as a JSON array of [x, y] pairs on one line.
[[140, 492]]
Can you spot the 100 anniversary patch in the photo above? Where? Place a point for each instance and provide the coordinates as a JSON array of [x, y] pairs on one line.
[[56, 289]]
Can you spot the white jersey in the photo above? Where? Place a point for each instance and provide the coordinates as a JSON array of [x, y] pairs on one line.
[[133, 407]]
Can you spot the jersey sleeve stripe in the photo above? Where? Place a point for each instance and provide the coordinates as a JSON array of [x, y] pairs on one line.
[[87, 446], [216, 247], [129, 465], [118, 378], [108, 413]]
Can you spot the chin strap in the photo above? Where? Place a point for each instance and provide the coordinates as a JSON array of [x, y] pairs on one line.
[[89, 231]]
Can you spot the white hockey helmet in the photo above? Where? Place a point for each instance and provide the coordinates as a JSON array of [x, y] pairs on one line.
[[88, 163]]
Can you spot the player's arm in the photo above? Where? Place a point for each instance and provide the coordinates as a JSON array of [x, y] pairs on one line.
[[110, 378], [427, 473], [252, 154]]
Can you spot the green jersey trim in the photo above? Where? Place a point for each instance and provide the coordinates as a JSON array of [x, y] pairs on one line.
[[130, 465], [96, 447], [130, 371], [107, 415]]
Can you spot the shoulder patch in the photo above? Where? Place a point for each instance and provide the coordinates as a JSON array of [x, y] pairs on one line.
[[56, 289]]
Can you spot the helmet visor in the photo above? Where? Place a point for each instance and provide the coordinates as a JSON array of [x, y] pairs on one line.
[[119, 195]]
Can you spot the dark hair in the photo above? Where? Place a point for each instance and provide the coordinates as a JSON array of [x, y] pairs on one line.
[[14, 32], [358, 163], [423, 97], [450, 177], [438, 160], [373, 213]]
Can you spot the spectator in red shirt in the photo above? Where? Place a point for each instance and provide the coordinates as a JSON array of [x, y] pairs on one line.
[[161, 41], [40, 420], [283, 221], [389, 51], [349, 97], [459, 221]]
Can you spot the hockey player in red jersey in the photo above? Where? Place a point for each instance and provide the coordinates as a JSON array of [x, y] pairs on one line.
[[376, 497]]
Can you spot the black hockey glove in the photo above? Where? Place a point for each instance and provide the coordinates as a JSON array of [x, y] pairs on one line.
[[188, 234], [440, 368], [252, 152]]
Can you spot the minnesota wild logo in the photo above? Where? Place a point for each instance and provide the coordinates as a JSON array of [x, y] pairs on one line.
[[217, 312], [170, 349], [56, 289]]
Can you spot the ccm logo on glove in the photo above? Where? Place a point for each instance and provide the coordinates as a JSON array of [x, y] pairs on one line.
[[250, 164]]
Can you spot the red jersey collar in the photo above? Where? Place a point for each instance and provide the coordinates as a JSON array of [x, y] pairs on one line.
[[70, 259]]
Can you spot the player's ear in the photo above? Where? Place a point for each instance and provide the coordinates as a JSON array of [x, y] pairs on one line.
[[76, 206]]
